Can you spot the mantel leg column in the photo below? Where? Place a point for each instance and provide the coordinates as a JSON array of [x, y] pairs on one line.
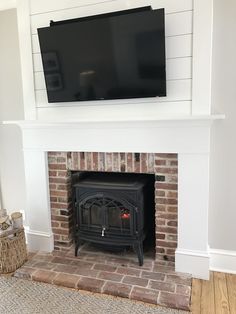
[[39, 231], [192, 254]]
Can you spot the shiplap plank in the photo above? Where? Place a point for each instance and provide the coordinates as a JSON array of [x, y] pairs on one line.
[[177, 46], [179, 68], [171, 6], [179, 90], [175, 24]]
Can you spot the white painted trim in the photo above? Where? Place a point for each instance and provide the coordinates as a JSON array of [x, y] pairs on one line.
[[25, 45], [223, 261], [202, 56], [158, 120], [39, 241], [193, 262]]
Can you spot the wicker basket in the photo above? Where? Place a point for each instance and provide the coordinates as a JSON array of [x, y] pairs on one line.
[[13, 251]]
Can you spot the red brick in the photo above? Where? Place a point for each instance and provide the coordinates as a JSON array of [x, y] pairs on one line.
[[150, 163], [143, 158], [105, 267], [144, 295], [129, 162], [177, 301], [170, 230], [59, 193], [179, 279], [115, 162], [153, 275], [166, 155], [44, 276], [61, 160], [128, 271], [162, 286], [66, 280], [88, 158], [165, 170], [122, 162], [166, 244], [60, 231], [87, 272], [91, 284], [57, 167], [117, 289], [160, 193], [95, 161], [160, 236], [108, 162], [160, 162], [44, 265], [185, 290], [110, 276], [59, 218], [168, 201], [172, 194], [166, 186], [135, 281], [169, 216], [172, 223], [24, 272], [68, 269]]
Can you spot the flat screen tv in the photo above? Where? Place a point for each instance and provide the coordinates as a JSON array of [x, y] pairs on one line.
[[111, 56]]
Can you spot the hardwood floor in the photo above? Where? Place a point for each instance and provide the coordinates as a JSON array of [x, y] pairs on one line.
[[216, 296]]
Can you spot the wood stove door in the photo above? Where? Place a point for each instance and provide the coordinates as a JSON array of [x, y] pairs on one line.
[[106, 215]]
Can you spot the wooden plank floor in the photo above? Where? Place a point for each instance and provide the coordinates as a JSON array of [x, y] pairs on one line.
[[216, 296]]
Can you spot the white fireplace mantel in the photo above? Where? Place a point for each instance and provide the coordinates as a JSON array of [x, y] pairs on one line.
[[189, 136]]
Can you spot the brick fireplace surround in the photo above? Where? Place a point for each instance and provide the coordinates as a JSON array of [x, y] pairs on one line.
[[186, 139], [164, 166], [174, 148]]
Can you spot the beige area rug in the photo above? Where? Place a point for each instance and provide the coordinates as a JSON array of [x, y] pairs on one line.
[[27, 297]]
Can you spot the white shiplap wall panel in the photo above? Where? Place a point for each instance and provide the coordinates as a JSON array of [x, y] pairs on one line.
[[176, 46], [55, 5], [179, 90], [178, 29], [176, 23]]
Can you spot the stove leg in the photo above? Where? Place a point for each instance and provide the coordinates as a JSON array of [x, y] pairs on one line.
[[77, 243], [138, 248]]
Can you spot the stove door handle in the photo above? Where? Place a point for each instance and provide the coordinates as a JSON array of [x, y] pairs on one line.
[[103, 231]]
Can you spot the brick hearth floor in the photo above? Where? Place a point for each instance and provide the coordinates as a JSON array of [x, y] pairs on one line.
[[111, 273]]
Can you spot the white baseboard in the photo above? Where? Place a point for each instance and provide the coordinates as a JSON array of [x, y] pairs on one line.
[[193, 262], [39, 241], [223, 261]]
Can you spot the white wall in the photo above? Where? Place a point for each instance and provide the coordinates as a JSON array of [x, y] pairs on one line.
[[223, 143], [11, 108], [179, 21]]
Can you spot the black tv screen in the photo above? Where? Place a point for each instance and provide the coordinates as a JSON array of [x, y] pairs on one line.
[[113, 56]]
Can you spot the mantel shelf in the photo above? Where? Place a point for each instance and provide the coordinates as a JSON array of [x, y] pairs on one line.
[[145, 121]]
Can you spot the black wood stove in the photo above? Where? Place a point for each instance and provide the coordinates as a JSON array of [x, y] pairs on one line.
[[113, 209]]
